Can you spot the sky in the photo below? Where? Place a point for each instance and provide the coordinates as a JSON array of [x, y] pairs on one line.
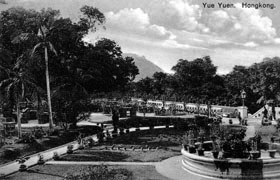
[[165, 31]]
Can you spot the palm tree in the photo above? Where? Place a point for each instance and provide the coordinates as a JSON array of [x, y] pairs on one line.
[[19, 81], [44, 42], [43, 38]]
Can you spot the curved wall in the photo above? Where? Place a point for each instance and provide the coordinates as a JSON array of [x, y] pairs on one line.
[[267, 168]]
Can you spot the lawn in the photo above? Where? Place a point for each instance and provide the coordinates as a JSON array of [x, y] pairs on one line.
[[57, 172]]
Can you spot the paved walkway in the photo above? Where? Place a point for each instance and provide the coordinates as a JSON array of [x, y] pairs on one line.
[[172, 168], [13, 166]]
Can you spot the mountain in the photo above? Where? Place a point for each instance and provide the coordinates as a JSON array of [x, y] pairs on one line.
[[3, 2], [146, 67]]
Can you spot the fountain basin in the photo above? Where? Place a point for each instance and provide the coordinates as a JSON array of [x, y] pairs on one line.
[[232, 168]]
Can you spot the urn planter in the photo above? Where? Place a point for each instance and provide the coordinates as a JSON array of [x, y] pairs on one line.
[[200, 152], [185, 147], [255, 154], [272, 153], [192, 149], [215, 154]]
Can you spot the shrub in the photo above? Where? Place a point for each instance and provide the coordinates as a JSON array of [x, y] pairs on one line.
[[27, 138], [90, 142], [38, 132], [70, 149], [68, 136], [100, 173], [55, 156], [11, 153], [55, 132]]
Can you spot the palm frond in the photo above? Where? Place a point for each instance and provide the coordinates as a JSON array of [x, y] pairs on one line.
[[52, 48], [21, 38], [5, 82], [35, 48], [42, 31]]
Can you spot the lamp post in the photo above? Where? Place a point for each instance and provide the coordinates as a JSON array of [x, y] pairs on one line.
[[209, 108], [243, 96]]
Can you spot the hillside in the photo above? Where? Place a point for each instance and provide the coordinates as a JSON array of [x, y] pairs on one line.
[[146, 67]]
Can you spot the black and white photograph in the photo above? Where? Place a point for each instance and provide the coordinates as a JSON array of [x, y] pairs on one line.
[[139, 89]]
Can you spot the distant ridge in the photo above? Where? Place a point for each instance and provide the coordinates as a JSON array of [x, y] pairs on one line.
[[146, 67], [3, 2]]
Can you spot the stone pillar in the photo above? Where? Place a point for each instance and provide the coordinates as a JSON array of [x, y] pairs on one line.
[[243, 110]]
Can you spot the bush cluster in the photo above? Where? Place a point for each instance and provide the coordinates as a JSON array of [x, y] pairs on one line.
[[101, 172]]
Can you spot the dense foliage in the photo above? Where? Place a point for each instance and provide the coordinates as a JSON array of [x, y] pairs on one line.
[[52, 51], [37, 47], [197, 81], [101, 172]]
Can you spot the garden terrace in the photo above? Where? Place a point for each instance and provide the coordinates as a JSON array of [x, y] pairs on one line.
[[58, 172], [37, 139], [140, 146]]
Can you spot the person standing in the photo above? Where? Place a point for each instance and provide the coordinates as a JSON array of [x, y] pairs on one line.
[[115, 119]]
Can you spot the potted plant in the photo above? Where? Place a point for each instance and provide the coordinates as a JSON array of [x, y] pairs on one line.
[[272, 148], [21, 161], [191, 144], [254, 153], [70, 148], [81, 145], [200, 149], [81, 142], [55, 156], [90, 142], [100, 137], [215, 147], [114, 134], [121, 131], [40, 159], [108, 136], [272, 153], [185, 142]]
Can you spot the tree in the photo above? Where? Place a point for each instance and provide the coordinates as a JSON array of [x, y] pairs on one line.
[[43, 34], [265, 79], [18, 83], [235, 83], [197, 79], [71, 97], [26, 36], [144, 87], [109, 69], [96, 67]]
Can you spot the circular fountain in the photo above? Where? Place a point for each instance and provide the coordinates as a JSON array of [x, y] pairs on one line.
[[231, 168]]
